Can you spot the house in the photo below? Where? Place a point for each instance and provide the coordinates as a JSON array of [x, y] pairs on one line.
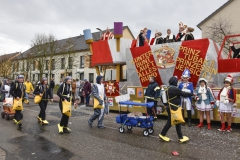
[[69, 56], [6, 63], [227, 16]]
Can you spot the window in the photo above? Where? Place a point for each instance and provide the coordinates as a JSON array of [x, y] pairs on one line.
[[70, 62], [47, 64], [123, 72], [34, 77], [53, 76], [62, 76], [91, 77], [62, 63], [38, 77], [70, 74], [13, 67], [81, 61], [17, 66], [34, 65], [27, 67], [82, 76], [53, 64]]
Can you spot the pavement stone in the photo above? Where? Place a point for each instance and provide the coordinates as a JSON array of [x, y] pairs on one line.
[[2, 154]]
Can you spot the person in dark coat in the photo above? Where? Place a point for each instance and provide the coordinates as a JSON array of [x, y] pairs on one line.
[[189, 36], [52, 84], [142, 37], [18, 92], [81, 92], [169, 37], [174, 95], [152, 95], [87, 89], [235, 51], [45, 92], [65, 94]]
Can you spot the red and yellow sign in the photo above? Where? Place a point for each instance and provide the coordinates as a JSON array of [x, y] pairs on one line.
[[145, 65], [192, 56]]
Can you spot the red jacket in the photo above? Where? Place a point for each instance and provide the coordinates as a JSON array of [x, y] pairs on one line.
[[231, 95]]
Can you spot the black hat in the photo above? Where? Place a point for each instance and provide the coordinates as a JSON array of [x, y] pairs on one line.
[[173, 81]]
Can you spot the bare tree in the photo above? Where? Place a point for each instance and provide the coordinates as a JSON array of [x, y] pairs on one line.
[[218, 29]]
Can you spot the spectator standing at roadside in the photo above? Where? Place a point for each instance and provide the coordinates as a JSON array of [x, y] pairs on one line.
[[87, 91]]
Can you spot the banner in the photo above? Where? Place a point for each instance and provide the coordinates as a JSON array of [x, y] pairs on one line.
[[191, 56], [145, 65]]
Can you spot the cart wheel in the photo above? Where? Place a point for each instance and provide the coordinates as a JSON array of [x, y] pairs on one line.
[[2, 114], [129, 127], [150, 130], [146, 133], [121, 129], [6, 116]]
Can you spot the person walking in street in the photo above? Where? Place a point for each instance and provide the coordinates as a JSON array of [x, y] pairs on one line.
[[226, 101], [152, 94], [81, 92], [45, 92], [174, 95], [77, 89], [52, 85], [65, 94], [98, 92], [29, 89], [205, 102], [74, 86], [5, 89], [87, 91], [18, 93]]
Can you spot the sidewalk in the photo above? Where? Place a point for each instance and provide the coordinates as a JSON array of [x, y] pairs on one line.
[[56, 99], [2, 154]]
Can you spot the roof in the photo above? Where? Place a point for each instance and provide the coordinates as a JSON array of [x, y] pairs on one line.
[[8, 56], [214, 13], [78, 42]]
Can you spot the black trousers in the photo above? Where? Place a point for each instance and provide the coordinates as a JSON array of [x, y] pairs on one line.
[[65, 118], [82, 99], [152, 111], [18, 115], [43, 107], [168, 126]]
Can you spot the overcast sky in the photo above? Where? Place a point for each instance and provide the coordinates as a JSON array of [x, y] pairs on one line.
[[20, 20]]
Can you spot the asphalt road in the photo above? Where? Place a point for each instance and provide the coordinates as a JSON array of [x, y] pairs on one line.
[[35, 141]]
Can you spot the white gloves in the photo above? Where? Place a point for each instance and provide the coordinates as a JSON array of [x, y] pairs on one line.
[[217, 103], [226, 101], [186, 90]]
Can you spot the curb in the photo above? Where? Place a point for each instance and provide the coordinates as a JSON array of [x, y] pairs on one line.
[[2, 154]]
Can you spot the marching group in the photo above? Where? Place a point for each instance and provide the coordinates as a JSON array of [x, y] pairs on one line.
[[179, 93], [68, 91]]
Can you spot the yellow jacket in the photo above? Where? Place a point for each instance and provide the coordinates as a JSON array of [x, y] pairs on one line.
[[29, 87]]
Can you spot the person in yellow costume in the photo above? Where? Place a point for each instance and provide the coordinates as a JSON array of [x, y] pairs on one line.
[[29, 89]]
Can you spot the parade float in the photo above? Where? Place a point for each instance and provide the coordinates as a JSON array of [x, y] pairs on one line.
[[203, 57]]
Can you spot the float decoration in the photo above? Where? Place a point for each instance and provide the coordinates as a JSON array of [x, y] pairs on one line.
[[118, 33]]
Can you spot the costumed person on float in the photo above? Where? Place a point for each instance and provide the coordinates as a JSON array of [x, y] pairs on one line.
[[186, 86], [235, 51], [65, 94], [226, 101], [205, 102], [107, 35], [17, 90], [45, 92], [141, 39], [182, 31], [173, 98], [188, 36], [169, 37], [157, 39], [98, 92], [151, 95]]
